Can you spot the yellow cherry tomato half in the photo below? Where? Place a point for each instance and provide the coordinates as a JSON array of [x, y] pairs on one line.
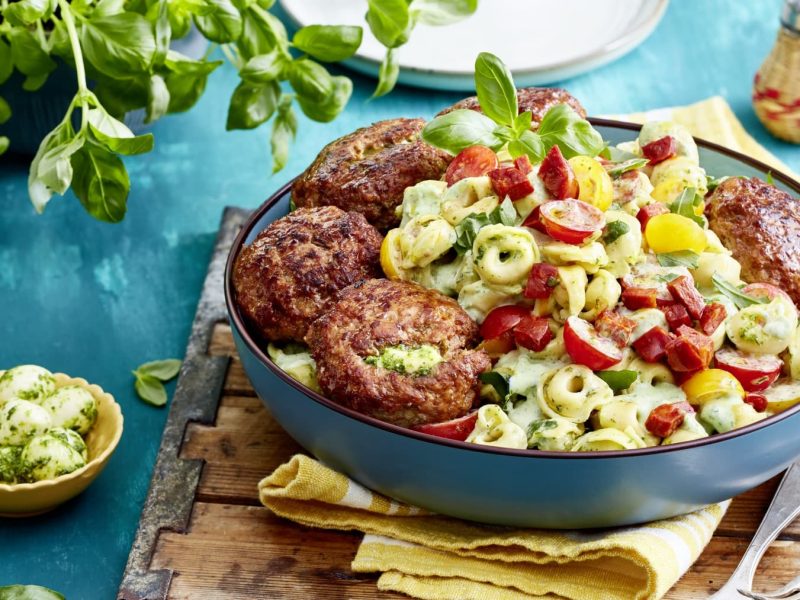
[[669, 189], [709, 384], [594, 183], [673, 233], [391, 255]]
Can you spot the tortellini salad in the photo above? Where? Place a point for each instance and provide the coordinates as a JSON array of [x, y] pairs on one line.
[[614, 316], [42, 425]]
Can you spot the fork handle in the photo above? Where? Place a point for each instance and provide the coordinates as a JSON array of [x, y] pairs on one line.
[[783, 509]]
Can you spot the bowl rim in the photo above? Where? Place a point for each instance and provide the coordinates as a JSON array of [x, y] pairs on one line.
[[241, 328], [100, 459]]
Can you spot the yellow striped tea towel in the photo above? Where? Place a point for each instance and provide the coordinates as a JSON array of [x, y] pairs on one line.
[[439, 558]]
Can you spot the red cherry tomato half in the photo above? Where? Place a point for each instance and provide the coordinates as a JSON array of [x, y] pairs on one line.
[[586, 347], [534, 221], [571, 221], [765, 291], [501, 320], [471, 162], [756, 372], [454, 429], [757, 401], [649, 211], [660, 150]]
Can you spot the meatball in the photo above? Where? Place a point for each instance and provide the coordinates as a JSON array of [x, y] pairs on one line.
[[398, 352], [292, 271], [537, 100], [368, 170], [760, 225]]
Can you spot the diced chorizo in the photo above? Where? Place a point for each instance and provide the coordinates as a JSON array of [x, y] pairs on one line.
[[473, 161], [665, 419], [635, 298], [541, 281], [614, 326], [533, 333], [660, 149], [652, 346], [523, 163], [683, 290], [713, 316], [676, 315], [557, 175], [690, 350], [511, 182]]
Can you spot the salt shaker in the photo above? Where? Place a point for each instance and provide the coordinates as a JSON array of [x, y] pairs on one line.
[[776, 89]]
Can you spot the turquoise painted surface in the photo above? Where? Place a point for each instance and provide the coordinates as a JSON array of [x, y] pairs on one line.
[[97, 300]]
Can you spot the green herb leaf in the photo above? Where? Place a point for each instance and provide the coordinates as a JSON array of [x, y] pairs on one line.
[[713, 182], [614, 231], [55, 168], [284, 128], [157, 99], [4, 144], [389, 21], [680, 258], [467, 230], [28, 592], [163, 370], [667, 277], [27, 55], [441, 12], [5, 111], [100, 182], [529, 144], [115, 135], [251, 105], [733, 293], [537, 427], [119, 45], [495, 88], [497, 380], [618, 380], [222, 23], [310, 80], [769, 178], [38, 191], [387, 74], [617, 169], [574, 136], [522, 123], [328, 43], [27, 12], [106, 8], [150, 389], [685, 204], [459, 129], [186, 80], [263, 68], [6, 62], [327, 110]]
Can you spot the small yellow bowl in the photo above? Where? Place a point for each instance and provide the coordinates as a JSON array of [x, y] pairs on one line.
[[27, 499]]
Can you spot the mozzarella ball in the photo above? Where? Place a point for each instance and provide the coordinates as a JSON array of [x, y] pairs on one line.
[[47, 457], [72, 407], [21, 420], [70, 438], [26, 382], [9, 463]]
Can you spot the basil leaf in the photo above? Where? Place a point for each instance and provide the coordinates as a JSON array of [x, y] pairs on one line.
[[100, 182], [538, 426], [27, 12], [55, 168], [163, 33], [328, 43], [6, 62], [186, 80], [459, 129], [495, 88], [497, 380], [387, 74], [522, 123], [118, 45], [733, 293], [222, 24], [115, 135], [34, 82], [27, 55], [28, 592], [530, 144], [5, 111], [442, 12], [251, 105], [667, 277], [389, 21], [261, 34], [150, 389], [38, 191], [685, 204], [106, 8], [713, 182], [769, 178], [680, 258], [163, 370], [4, 144], [284, 128], [504, 214], [327, 110], [263, 68], [310, 80], [617, 169], [618, 380], [467, 230], [614, 231], [157, 99], [574, 136]]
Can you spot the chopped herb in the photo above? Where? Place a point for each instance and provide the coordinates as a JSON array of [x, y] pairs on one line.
[[617, 169], [769, 178], [614, 230], [497, 380], [667, 277], [618, 380], [467, 230], [713, 182], [733, 293], [685, 204], [552, 282], [541, 425], [681, 258]]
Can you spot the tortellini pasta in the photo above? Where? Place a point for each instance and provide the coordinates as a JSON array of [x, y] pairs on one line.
[[626, 249], [764, 328], [503, 255], [478, 299], [554, 434], [572, 392], [591, 257], [710, 263], [297, 362], [728, 411], [632, 192], [569, 294], [602, 292], [608, 439], [468, 196], [655, 130], [674, 175], [424, 239], [425, 198], [494, 428]]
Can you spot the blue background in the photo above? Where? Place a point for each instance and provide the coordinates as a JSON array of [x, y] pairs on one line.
[[97, 300]]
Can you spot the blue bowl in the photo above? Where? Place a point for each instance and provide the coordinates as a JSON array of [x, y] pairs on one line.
[[528, 488]]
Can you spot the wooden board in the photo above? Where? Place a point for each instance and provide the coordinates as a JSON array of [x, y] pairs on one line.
[[234, 548]]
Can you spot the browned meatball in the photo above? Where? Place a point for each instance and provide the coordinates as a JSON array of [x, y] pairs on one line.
[[292, 271], [372, 316], [537, 100], [760, 224], [368, 170]]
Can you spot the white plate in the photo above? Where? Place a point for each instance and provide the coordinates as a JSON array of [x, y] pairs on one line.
[[542, 41]]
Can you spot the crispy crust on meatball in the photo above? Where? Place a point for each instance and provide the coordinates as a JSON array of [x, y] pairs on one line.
[[368, 170], [535, 99], [293, 270], [374, 314], [760, 225]]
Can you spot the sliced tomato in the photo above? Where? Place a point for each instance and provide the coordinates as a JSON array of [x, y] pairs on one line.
[[664, 419], [502, 319], [557, 175], [757, 401], [683, 291], [454, 429], [541, 281], [651, 210], [676, 315], [713, 316], [756, 372], [690, 350], [533, 333], [652, 346], [471, 162], [523, 163], [765, 291], [586, 347], [510, 182], [660, 149], [534, 220], [571, 221], [615, 327]]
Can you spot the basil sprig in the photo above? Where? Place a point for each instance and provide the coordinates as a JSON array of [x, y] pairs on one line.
[[619, 168], [499, 124], [150, 378], [734, 293], [679, 258], [498, 381], [614, 231], [467, 230]]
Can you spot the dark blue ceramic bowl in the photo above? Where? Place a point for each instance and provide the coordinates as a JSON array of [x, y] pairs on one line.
[[522, 487]]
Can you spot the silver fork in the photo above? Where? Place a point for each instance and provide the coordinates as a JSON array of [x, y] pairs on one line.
[[783, 509]]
